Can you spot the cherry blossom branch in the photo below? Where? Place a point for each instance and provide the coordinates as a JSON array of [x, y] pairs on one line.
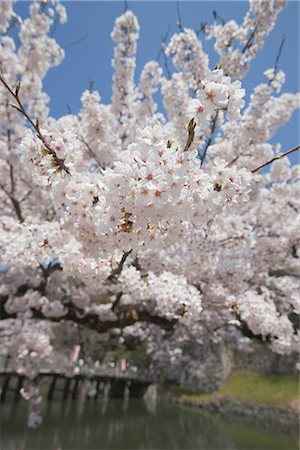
[[250, 40], [35, 125], [164, 38], [92, 154], [166, 63], [275, 158], [47, 271], [92, 321], [76, 41], [15, 203], [234, 160], [119, 268], [202, 28], [276, 65], [179, 19], [11, 195], [212, 132], [217, 16]]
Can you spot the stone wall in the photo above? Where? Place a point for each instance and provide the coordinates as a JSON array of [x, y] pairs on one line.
[[206, 368], [265, 415], [259, 358]]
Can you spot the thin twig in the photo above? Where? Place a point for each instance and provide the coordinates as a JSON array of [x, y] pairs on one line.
[[276, 65], [275, 158], [179, 20], [201, 29], [166, 64], [76, 41], [164, 38], [14, 202], [92, 154], [237, 157], [212, 132], [59, 161], [217, 16], [249, 41]]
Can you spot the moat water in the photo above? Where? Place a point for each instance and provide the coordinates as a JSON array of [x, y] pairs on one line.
[[134, 424]]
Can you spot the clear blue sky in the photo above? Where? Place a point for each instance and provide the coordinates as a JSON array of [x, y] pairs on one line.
[[89, 48]]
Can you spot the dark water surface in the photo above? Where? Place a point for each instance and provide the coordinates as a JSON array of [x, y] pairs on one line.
[[115, 424]]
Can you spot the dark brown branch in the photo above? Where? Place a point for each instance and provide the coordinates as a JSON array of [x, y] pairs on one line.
[[92, 321], [250, 40], [117, 301], [201, 29], [15, 203], [164, 38], [47, 271], [209, 141], [166, 62], [276, 65], [275, 159], [92, 154], [35, 125], [28, 193], [234, 160], [217, 16], [283, 273], [115, 272]]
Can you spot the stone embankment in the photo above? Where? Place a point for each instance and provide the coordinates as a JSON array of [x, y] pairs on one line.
[[267, 399], [226, 407]]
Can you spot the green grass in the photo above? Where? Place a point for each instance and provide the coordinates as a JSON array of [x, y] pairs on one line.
[[277, 390]]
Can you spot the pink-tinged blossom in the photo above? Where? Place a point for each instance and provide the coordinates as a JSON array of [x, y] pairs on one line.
[[141, 232], [198, 111]]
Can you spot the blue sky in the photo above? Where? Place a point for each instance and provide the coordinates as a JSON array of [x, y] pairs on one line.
[[89, 48]]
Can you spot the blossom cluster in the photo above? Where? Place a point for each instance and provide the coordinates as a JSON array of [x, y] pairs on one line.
[[217, 93], [237, 45], [262, 317], [126, 222]]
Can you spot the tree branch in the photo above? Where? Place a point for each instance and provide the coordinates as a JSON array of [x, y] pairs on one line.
[[275, 158], [212, 132], [92, 154], [58, 161], [119, 268], [179, 19], [276, 65], [15, 203], [92, 321], [47, 271]]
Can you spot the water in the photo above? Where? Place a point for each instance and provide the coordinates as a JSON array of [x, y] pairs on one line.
[[130, 425]]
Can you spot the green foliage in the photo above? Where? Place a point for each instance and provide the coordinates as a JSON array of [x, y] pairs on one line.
[[134, 356], [276, 390]]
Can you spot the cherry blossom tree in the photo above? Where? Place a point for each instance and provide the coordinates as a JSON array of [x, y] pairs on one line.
[[124, 221]]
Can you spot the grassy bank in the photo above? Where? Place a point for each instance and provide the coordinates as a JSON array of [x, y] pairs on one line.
[[273, 390]]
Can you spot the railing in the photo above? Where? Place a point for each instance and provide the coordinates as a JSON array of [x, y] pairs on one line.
[[87, 370]]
